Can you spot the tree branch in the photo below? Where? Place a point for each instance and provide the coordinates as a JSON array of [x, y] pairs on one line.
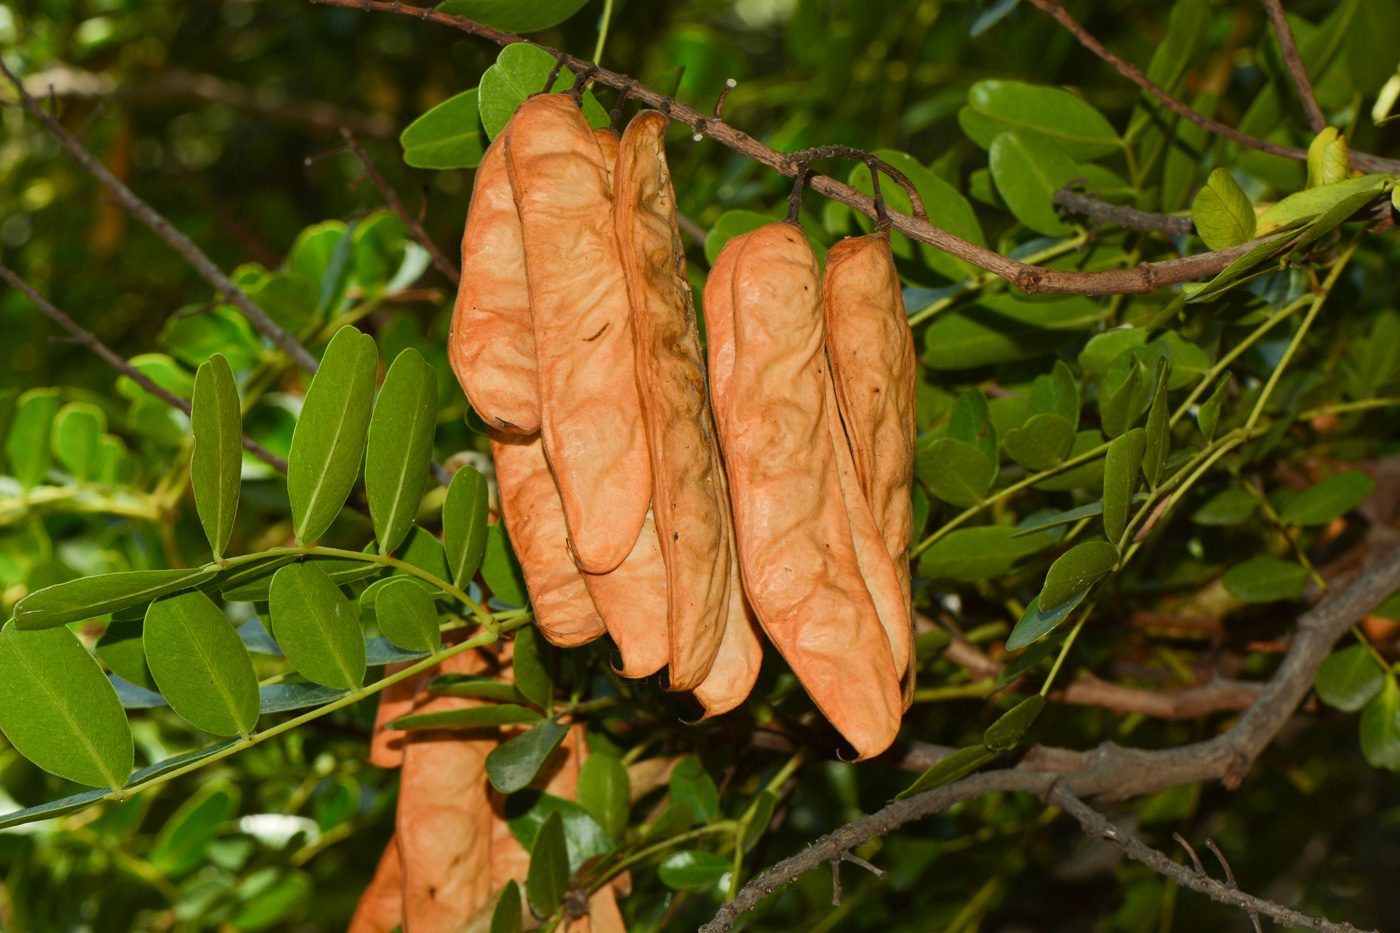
[[1102, 212], [1359, 160], [1111, 771], [89, 340], [1286, 44], [1140, 279]]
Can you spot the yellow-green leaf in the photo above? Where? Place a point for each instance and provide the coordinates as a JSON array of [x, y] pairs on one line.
[[216, 421]]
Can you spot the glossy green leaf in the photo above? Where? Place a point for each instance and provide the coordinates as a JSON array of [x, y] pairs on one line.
[[506, 917], [60, 711], [1330, 499], [1340, 213], [1087, 475], [1251, 263], [1005, 734], [1120, 479], [473, 717], [955, 767], [1003, 328], [1327, 158], [252, 583], [1035, 625], [1231, 506], [979, 553], [604, 791], [513, 15], [1380, 728], [500, 570], [1265, 579], [290, 300], [692, 785], [446, 137], [278, 698], [1040, 443], [1349, 678], [121, 650], [77, 436], [533, 663], [183, 839], [87, 597], [1310, 203], [1050, 518], [1043, 116], [201, 665], [513, 764], [321, 256], [1208, 415], [464, 524], [1158, 434], [693, 868], [475, 687], [195, 333], [954, 471], [216, 421], [729, 225], [330, 434], [27, 446], [400, 447], [160, 369], [1027, 175], [520, 71], [1122, 404], [317, 627], [525, 813], [1075, 570], [407, 617], [1222, 213]]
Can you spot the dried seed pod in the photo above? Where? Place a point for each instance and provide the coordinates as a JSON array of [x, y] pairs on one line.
[[590, 413], [796, 553], [444, 817], [395, 700], [535, 521], [735, 671], [492, 342], [381, 906], [692, 516], [632, 602]]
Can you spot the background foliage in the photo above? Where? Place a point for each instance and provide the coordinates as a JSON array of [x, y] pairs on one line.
[[211, 111]]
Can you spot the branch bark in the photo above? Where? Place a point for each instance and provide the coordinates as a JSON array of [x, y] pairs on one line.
[[1286, 44]]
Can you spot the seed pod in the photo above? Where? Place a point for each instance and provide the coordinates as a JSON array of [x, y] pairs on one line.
[[492, 342], [535, 521], [395, 700], [381, 906], [692, 516], [590, 414], [740, 655], [444, 817], [632, 602], [796, 552]]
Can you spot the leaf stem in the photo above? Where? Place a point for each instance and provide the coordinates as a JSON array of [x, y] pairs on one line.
[[603, 31]]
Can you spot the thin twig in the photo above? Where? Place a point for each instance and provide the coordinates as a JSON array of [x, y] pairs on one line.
[[1359, 160], [89, 340], [391, 198], [1104, 213], [1286, 44]]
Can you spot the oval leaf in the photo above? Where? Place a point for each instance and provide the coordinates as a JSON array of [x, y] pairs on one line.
[[1004, 328], [1035, 624], [27, 445], [1330, 499], [446, 137], [472, 717], [604, 790], [1380, 728], [317, 628], [692, 785], [93, 596], [1222, 213], [500, 570], [954, 471], [407, 617], [1041, 442], [549, 867], [979, 553], [1043, 115], [1027, 177], [506, 918], [520, 71], [464, 524], [514, 764], [201, 665], [513, 15], [1349, 678], [475, 687], [1120, 471], [77, 439], [400, 447], [533, 661], [1077, 569], [692, 869], [1005, 734], [526, 811], [1265, 579], [955, 767], [216, 422]]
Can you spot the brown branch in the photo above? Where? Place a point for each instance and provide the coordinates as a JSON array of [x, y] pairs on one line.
[[1286, 44], [1359, 160], [1111, 771], [1101, 212], [391, 197], [1140, 279], [89, 340]]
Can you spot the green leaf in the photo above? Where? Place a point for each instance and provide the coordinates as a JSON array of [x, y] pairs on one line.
[[970, 420], [290, 300], [475, 687], [115, 466], [473, 717], [1086, 475], [1310, 203], [60, 711], [693, 868], [1369, 52], [1119, 480], [1181, 166], [604, 791], [1327, 158], [1027, 175], [1056, 393], [406, 615], [251, 583], [500, 570], [1077, 569], [1158, 434], [329, 441], [1380, 728], [216, 465], [513, 764], [1003, 328], [1103, 349], [1005, 734], [520, 72], [955, 767], [729, 225], [1022, 663], [378, 249], [264, 906], [506, 917], [87, 597], [692, 785], [1222, 213], [1265, 579], [1237, 271], [674, 819], [979, 553], [464, 524], [1231, 506], [193, 334], [27, 445], [1043, 116], [181, 843], [77, 436], [526, 812], [446, 137], [160, 369], [120, 648], [321, 257], [1208, 415], [1040, 443], [1122, 404], [1049, 518], [954, 471], [278, 698], [513, 15], [400, 447], [1349, 678], [1340, 213], [201, 665], [534, 659], [1035, 625], [760, 815], [316, 626], [1332, 498]]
